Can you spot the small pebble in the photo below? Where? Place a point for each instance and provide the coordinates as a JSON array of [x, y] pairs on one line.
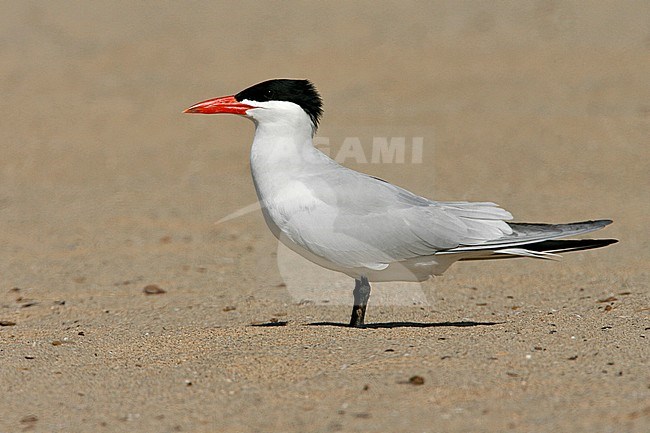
[[29, 419], [28, 304], [416, 380], [153, 289]]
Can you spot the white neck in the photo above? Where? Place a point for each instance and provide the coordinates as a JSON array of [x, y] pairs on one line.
[[282, 143], [283, 149]]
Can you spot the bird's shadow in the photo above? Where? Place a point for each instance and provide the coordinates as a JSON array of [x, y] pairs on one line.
[[464, 324]]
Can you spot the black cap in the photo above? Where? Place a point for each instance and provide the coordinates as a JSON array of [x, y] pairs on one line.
[[300, 92]]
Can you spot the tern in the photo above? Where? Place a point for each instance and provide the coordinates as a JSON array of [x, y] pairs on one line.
[[361, 225]]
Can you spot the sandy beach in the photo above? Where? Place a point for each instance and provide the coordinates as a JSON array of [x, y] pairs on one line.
[[106, 189]]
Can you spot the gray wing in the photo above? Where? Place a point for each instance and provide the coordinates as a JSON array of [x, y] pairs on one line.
[[356, 220]]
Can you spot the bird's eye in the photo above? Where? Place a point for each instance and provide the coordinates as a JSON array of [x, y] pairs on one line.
[[269, 93]]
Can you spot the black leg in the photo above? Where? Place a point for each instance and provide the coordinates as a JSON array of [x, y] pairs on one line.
[[361, 295]]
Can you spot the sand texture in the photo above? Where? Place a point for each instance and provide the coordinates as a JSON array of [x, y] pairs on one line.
[[107, 189]]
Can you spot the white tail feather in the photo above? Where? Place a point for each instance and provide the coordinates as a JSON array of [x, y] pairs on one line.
[[528, 253]]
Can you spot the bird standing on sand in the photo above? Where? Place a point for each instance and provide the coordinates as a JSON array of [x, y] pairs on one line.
[[360, 225]]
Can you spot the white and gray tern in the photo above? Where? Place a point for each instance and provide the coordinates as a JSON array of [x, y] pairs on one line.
[[362, 226]]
